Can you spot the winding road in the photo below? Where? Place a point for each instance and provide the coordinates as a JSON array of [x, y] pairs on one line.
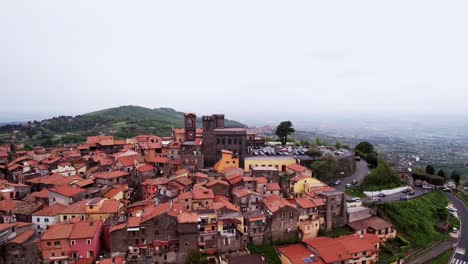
[[460, 256]]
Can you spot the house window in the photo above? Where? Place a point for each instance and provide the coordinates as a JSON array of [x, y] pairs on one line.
[[88, 241], [53, 254], [91, 207], [90, 254], [38, 220], [72, 242], [48, 243], [46, 220], [57, 243]]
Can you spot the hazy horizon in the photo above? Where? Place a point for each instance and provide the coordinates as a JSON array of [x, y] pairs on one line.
[[245, 59]]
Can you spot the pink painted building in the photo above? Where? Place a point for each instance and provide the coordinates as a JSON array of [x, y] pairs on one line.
[[85, 240]]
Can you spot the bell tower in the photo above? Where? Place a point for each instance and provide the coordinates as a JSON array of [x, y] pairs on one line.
[[190, 126]]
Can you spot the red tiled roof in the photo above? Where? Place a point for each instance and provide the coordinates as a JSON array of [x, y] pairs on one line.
[[22, 237], [296, 253], [145, 168], [52, 210], [85, 229], [186, 217], [110, 175], [42, 194], [67, 191], [261, 180], [151, 212], [159, 160], [7, 206], [342, 248], [118, 227], [127, 161], [297, 168], [216, 181], [275, 202], [202, 194], [76, 208], [134, 221], [273, 187], [57, 231]]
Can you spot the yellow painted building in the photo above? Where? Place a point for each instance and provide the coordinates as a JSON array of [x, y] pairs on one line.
[[277, 162], [227, 160], [303, 184]]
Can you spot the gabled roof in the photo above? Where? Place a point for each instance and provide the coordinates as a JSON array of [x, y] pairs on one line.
[[110, 175], [217, 181], [151, 212], [22, 237], [52, 210], [186, 217], [146, 168], [274, 186], [85, 229], [67, 191], [41, 194], [58, 231], [7, 206], [296, 253], [202, 193], [241, 191], [127, 161], [275, 202], [76, 208], [297, 168], [374, 222]]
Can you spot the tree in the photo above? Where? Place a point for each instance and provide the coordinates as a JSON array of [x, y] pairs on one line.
[[372, 159], [430, 170], [364, 147], [325, 169], [455, 176], [196, 257], [283, 130], [338, 145], [441, 173], [314, 152], [381, 178]]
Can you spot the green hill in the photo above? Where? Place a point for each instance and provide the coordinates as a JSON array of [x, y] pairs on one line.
[[122, 122]]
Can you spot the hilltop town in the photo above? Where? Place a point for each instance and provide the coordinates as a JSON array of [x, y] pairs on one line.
[[206, 193]]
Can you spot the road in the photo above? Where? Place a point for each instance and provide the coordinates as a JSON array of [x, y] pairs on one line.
[[460, 257], [361, 171], [418, 191]]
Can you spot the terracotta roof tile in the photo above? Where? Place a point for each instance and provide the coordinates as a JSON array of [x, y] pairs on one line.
[[67, 191], [110, 175], [52, 210]]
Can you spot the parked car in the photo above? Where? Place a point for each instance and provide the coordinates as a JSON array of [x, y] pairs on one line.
[[338, 182], [411, 192], [381, 195], [454, 230], [404, 198], [354, 182], [407, 190], [446, 189], [348, 185]]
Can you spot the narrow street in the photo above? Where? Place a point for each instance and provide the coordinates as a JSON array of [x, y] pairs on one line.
[[460, 256]]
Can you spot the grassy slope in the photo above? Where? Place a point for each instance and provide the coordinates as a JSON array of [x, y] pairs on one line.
[[417, 218], [443, 259]]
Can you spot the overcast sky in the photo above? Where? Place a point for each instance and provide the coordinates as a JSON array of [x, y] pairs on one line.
[[236, 57]]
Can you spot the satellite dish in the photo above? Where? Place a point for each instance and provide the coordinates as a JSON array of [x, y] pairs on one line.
[[417, 158], [410, 170]]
